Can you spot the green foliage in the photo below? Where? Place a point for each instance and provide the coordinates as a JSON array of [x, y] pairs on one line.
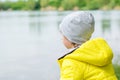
[[44, 3], [68, 5], [65, 4], [20, 5], [81, 3], [117, 70], [93, 4], [55, 3], [6, 6], [37, 5], [17, 5], [31, 4]]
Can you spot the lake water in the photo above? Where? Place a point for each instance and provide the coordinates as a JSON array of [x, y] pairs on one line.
[[30, 42]]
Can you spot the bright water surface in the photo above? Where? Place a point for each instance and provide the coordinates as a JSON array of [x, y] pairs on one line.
[[30, 42]]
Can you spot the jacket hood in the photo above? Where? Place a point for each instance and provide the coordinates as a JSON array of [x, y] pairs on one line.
[[96, 52]]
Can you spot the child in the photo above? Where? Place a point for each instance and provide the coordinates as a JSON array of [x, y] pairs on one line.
[[89, 59]]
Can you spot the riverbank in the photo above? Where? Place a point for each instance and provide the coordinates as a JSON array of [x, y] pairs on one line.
[[60, 5], [51, 8]]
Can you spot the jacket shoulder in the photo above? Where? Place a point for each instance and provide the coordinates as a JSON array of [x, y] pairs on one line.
[[73, 69]]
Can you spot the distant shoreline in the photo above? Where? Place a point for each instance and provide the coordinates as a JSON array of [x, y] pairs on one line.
[[59, 5]]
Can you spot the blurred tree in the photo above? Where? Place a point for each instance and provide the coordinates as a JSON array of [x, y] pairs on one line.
[[63, 4], [31, 4], [68, 5], [6, 5], [55, 3], [81, 4], [114, 3], [37, 5], [19, 5], [44, 3], [93, 4]]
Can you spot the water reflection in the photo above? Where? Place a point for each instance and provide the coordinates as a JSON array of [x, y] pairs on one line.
[[106, 27], [30, 42], [35, 24]]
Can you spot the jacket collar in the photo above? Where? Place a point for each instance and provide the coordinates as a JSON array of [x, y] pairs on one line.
[[69, 52]]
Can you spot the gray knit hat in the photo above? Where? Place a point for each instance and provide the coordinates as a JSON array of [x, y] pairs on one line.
[[78, 26]]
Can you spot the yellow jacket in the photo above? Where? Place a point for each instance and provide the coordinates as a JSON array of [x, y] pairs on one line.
[[91, 61]]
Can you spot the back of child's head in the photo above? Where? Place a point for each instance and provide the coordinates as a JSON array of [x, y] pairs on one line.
[[78, 26]]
